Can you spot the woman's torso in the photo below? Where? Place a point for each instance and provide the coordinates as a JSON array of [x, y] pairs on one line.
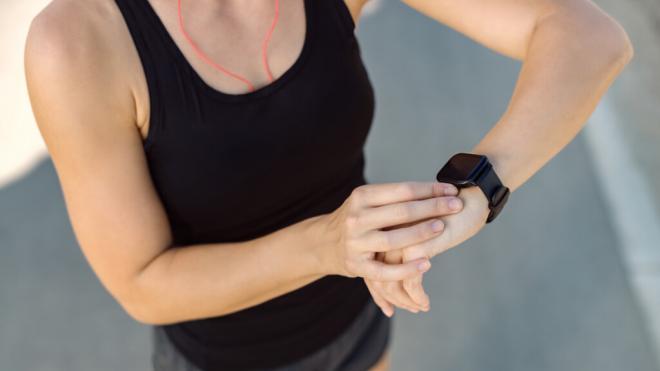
[[235, 166]]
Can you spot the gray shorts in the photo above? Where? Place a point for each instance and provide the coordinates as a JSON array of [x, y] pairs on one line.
[[356, 349]]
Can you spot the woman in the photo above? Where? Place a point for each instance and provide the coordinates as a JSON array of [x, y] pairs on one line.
[[211, 160]]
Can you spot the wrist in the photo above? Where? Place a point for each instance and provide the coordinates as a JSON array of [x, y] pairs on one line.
[[320, 245], [466, 170], [502, 165], [475, 199]]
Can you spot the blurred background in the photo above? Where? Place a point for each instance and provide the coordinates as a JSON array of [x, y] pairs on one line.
[[568, 278]]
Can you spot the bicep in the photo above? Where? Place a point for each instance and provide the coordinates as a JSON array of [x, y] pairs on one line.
[[86, 119]]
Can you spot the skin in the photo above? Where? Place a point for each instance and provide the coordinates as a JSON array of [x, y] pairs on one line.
[[91, 105], [571, 52]]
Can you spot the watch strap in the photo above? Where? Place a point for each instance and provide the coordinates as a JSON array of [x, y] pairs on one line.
[[496, 193]]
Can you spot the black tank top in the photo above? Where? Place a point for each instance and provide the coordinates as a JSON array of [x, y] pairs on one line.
[[234, 167]]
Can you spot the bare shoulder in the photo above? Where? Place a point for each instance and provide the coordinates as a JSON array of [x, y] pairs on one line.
[[72, 45], [83, 105], [80, 75], [73, 29]]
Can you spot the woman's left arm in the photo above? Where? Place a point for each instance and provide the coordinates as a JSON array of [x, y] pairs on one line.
[[571, 51]]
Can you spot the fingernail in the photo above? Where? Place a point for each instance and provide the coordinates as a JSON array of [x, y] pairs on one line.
[[437, 225], [423, 266], [455, 204]]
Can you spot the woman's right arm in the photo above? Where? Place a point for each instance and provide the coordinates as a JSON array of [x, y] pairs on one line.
[[86, 112]]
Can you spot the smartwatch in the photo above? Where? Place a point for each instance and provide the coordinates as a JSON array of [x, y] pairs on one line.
[[469, 169]]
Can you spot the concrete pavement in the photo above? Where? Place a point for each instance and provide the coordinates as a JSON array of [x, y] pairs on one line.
[[542, 288]]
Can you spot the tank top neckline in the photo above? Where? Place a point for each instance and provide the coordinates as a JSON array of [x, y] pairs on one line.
[[263, 91]]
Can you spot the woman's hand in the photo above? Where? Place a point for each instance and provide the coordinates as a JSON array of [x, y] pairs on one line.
[[387, 294], [458, 228], [354, 232]]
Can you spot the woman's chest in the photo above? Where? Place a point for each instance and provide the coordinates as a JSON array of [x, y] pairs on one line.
[[217, 166]]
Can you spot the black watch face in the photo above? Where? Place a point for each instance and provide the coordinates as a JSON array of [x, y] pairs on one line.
[[461, 169]]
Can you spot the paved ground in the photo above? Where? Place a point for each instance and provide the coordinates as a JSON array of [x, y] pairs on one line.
[[637, 169], [542, 288], [638, 90]]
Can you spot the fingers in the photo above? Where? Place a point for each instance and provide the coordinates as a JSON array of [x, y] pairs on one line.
[[394, 292], [432, 246], [380, 301], [346, 224], [387, 294], [413, 286], [384, 241], [404, 212], [414, 289], [379, 271], [373, 195]]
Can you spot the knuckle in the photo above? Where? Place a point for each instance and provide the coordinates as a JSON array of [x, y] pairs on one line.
[[378, 274], [413, 252], [359, 193], [353, 221], [442, 204], [424, 231], [438, 188], [404, 211], [350, 267], [407, 189], [387, 241], [414, 234], [393, 256]]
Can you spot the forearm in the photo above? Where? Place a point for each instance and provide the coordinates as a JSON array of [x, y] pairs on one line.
[[206, 280], [568, 67]]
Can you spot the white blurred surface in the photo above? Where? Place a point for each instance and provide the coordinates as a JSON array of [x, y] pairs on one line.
[[21, 146]]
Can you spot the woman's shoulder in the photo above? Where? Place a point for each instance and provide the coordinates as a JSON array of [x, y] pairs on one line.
[[75, 28], [73, 55], [78, 37]]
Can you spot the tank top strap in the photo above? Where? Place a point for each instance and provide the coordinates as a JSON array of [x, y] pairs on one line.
[[171, 80], [345, 20], [150, 46]]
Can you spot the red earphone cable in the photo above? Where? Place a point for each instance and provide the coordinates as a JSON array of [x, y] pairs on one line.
[[218, 67], [267, 39]]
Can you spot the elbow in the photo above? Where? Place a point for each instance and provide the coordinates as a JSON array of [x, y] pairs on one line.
[[143, 313], [593, 35], [141, 306], [607, 42], [626, 52], [617, 48]]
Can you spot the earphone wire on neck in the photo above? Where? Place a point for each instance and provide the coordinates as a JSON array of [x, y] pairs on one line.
[[217, 66]]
